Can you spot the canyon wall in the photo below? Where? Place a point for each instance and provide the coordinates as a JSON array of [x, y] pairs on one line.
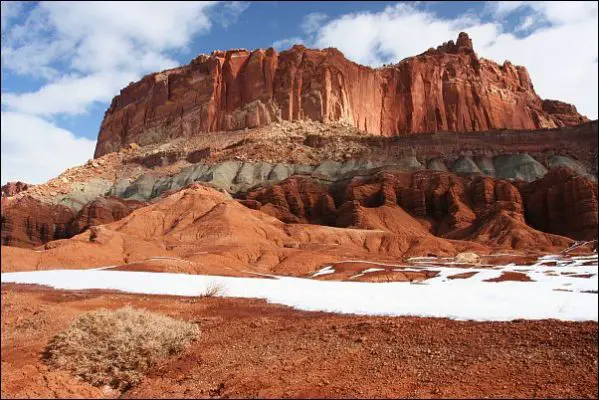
[[444, 89]]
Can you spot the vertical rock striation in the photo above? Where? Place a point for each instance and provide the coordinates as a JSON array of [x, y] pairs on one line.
[[444, 89]]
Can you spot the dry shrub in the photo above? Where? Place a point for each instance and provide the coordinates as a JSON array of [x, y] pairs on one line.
[[213, 289], [116, 348]]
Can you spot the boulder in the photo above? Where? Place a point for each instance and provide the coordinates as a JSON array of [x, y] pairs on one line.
[[518, 167], [467, 258]]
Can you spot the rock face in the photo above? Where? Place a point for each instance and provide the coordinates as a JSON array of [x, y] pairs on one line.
[[102, 210], [564, 203], [29, 222], [327, 193], [12, 188], [200, 230], [238, 176], [494, 212], [445, 89]]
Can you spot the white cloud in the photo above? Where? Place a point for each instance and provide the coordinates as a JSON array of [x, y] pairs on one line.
[[390, 35], [84, 52], [153, 25], [8, 11], [229, 13], [559, 47], [69, 95], [526, 23], [95, 41], [503, 8], [34, 150], [356, 35], [284, 44], [312, 22], [556, 12]]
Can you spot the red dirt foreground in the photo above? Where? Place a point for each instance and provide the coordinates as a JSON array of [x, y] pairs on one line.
[[248, 348]]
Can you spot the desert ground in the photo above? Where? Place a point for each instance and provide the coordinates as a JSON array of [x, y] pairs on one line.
[[248, 348]]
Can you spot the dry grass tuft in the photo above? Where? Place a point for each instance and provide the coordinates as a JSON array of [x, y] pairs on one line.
[[116, 348], [213, 289]]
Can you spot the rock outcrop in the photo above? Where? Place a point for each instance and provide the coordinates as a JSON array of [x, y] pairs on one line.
[[238, 177], [102, 210], [200, 230], [12, 188], [564, 203], [28, 222], [445, 89], [491, 211]]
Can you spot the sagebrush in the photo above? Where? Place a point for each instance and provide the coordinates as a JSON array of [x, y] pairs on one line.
[[116, 348], [214, 289]]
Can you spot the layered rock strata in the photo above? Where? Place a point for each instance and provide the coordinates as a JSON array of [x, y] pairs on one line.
[[445, 202], [450, 206], [445, 89]]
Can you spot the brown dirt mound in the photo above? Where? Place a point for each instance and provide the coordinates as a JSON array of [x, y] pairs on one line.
[[201, 230], [511, 276], [507, 230], [213, 232]]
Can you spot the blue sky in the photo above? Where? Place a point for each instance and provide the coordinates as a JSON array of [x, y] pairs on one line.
[[63, 62]]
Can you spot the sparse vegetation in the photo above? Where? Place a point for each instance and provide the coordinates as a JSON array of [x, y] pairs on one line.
[[116, 348], [213, 289]]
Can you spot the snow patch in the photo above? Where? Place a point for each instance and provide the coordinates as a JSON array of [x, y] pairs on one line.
[[460, 299], [324, 271]]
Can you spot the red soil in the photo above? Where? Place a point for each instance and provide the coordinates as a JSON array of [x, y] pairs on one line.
[[248, 348], [463, 275], [510, 276]]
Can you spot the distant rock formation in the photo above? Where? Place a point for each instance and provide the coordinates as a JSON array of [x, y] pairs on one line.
[[199, 229], [453, 207], [12, 188], [28, 222], [563, 203], [444, 89]]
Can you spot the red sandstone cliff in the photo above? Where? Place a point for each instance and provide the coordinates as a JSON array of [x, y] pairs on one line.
[[12, 188], [28, 222], [445, 89]]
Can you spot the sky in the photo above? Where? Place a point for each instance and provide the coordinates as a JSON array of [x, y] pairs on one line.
[[63, 62]]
